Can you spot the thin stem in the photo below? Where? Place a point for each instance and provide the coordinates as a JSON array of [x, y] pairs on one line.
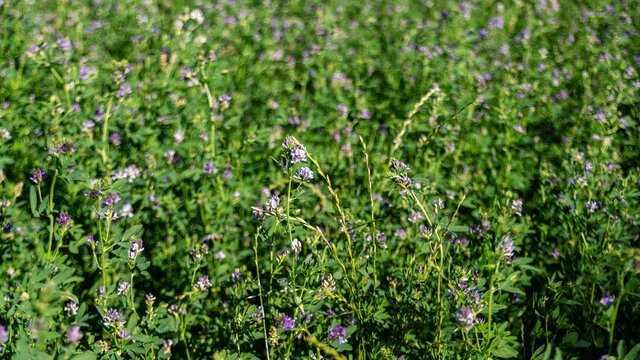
[[53, 185], [264, 323], [491, 300], [293, 260]]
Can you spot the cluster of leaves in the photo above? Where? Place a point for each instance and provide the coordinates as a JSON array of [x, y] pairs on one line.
[[319, 179]]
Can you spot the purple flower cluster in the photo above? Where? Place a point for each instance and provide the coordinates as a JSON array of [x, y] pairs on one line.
[[64, 221], [209, 168], [338, 333], [607, 299], [38, 174], [203, 283], [304, 174], [113, 318], [286, 323], [466, 317]]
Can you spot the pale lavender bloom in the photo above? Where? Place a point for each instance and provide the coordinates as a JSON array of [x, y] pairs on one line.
[[113, 317], [127, 211], [623, 123], [425, 231], [178, 136], [466, 317], [4, 335], [496, 22], [607, 299], [203, 284], [304, 174], [506, 248], [84, 73], [124, 288], [591, 206], [517, 206], [296, 246], [71, 308], [398, 165], [87, 126], [124, 90], [74, 335], [273, 205], [415, 217], [366, 114], [123, 334], [401, 233], [298, 154], [342, 110], [136, 249], [38, 174], [115, 138], [555, 253], [209, 168]]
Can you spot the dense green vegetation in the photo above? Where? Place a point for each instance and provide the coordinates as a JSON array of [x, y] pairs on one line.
[[319, 179]]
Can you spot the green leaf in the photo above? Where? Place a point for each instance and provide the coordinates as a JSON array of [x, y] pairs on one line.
[[33, 201], [84, 356], [132, 231]]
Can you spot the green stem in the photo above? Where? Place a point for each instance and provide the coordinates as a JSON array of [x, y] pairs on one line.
[[264, 323], [613, 320], [53, 185], [293, 260], [491, 300]]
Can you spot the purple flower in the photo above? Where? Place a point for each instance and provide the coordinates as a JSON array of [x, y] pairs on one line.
[[124, 90], [296, 246], [607, 299], [71, 308], [259, 214], [4, 335], [123, 334], [113, 318], [496, 22], [124, 288], [591, 206], [8, 228], [304, 174], [203, 284], [64, 221], [506, 248], [115, 138], [136, 249], [37, 176], [555, 253], [405, 182], [74, 335], [298, 154], [466, 317], [273, 205], [366, 114], [342, 110], [398, 165], [425, 231], [209, 168], [236, 275], [338, 333], [382, 239], [286, 323]]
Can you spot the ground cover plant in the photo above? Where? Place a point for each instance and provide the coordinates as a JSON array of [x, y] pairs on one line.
[[319, 179]]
